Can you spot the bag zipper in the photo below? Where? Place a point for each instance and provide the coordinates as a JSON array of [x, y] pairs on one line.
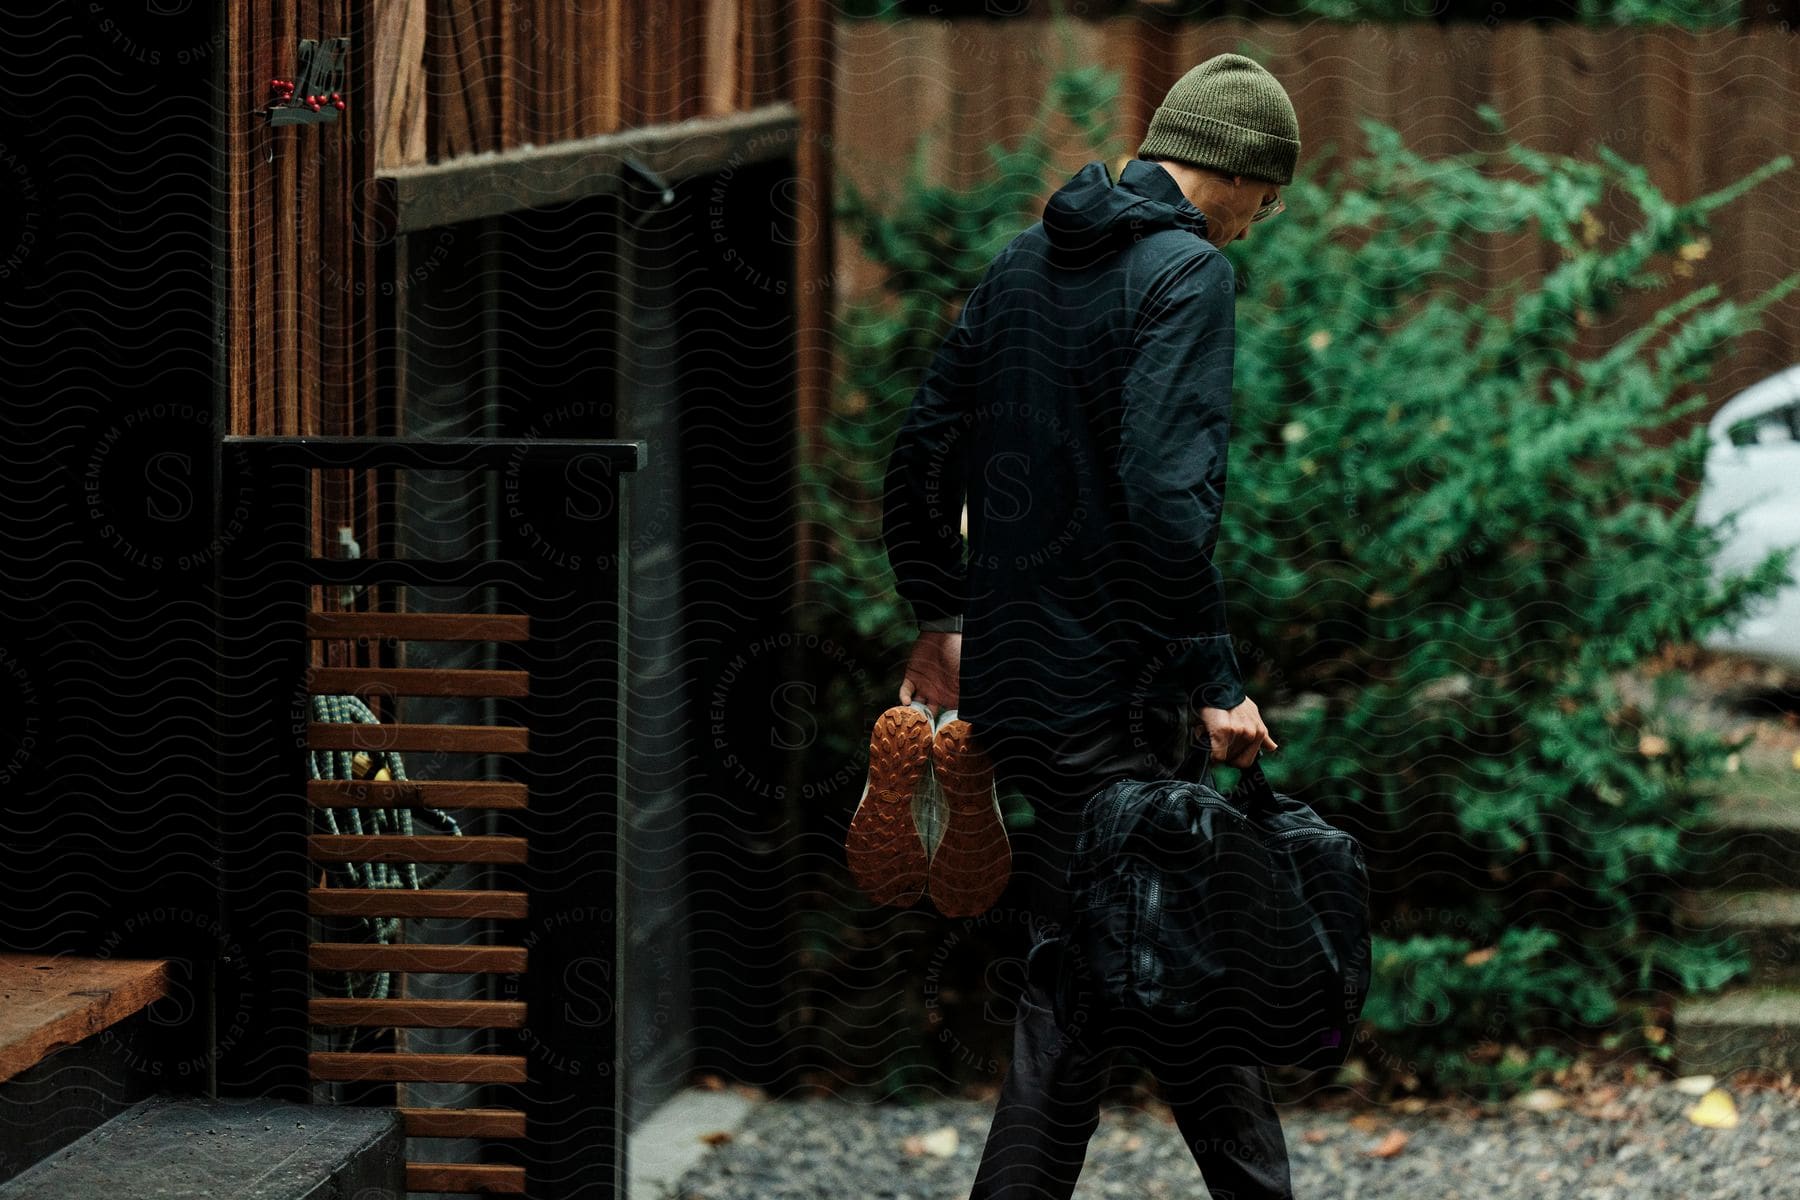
[[1152, 908]]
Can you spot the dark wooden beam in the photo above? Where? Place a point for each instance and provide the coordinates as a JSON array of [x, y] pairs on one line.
[[485, 185]]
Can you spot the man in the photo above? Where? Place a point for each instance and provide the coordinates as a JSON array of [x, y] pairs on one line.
[[1082, 406]]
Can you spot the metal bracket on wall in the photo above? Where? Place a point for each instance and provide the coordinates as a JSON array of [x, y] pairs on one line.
[[644, 191], [316, 93]]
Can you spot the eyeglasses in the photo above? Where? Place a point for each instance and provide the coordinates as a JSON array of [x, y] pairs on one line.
[[1266, 211]]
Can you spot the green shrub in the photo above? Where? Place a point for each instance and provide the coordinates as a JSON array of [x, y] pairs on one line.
[[1447, 533]]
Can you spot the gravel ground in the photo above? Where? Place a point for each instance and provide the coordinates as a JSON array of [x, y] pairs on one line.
[[1621, 1141]]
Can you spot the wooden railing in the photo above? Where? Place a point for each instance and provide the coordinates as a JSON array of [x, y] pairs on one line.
[[551, 1036]]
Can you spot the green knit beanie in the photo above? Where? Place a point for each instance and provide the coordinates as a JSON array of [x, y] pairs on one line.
[[1229, 114]]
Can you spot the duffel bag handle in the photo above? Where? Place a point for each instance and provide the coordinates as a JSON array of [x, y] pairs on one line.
[[1252, 789]]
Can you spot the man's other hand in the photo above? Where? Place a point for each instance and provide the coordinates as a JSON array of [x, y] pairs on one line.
[[933, 671], [1237, 735]]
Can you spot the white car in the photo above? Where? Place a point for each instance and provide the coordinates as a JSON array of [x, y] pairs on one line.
[[1753, 467]]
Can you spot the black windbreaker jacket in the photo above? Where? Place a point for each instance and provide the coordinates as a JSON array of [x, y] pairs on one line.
[[1082, 407]]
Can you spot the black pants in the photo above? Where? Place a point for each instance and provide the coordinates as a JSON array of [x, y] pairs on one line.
[[1049, 1103]]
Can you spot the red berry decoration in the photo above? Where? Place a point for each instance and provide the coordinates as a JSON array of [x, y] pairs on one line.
[[340, 106]]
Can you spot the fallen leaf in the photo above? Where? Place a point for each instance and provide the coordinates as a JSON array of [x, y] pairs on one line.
[[1653, 745], [710, 1083], [1392, 1144], [1542, 1100], [939, 1143], [717, 1137], [1694, 1085], [1797, 760], [1367, 1122], [1313, 1137], [1715, 1111], [1475, 958]]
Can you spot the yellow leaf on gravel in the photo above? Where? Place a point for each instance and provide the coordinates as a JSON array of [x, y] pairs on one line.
[[1715, 1111], [1542, 1100], [1390, 1145]]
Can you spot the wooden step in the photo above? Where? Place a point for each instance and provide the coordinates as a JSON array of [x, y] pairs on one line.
[[464, 1122], [452, 739], [420, 627], [418, 1014], [418, 956], [1755, 1026], [416, 681], [346, 1067], [434, 793], [407, 902], [405, 848], [491, 1178], [48, 1002]]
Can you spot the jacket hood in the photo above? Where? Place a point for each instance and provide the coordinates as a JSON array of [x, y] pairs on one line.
[[1090, 212]]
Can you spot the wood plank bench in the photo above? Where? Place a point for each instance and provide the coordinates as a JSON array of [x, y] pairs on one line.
[[48, 1002]]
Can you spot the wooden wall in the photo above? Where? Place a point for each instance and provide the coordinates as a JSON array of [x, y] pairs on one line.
[[462, 77], [1697, 109], [432, 81]]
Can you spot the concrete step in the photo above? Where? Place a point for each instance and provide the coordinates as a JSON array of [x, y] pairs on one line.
[[1756, 1025], [1766, 922], [185, 1149], [1751, 834]]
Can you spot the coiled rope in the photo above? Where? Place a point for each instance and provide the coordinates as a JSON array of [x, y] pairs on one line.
[[341, 765]]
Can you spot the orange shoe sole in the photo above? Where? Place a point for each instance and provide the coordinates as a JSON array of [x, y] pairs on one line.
[[885, 854], [973, 860]]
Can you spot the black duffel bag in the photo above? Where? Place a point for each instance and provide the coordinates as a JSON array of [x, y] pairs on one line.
[[1226, 928]]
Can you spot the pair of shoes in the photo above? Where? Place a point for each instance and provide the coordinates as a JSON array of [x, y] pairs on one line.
[[929, 818]]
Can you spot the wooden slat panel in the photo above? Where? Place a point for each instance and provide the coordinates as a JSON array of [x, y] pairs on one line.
[[418, 956], [400, 82], [492, 1178], [723, 46], [463, 1122], [421, 627], [418, 1014], [463, 739], [405, 902], [418, 681], [344, 1067], [435, 793], [403, 848], [237, 182]]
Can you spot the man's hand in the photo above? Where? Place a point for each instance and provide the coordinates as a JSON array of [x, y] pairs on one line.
[[933, 671], [1237, 735]]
